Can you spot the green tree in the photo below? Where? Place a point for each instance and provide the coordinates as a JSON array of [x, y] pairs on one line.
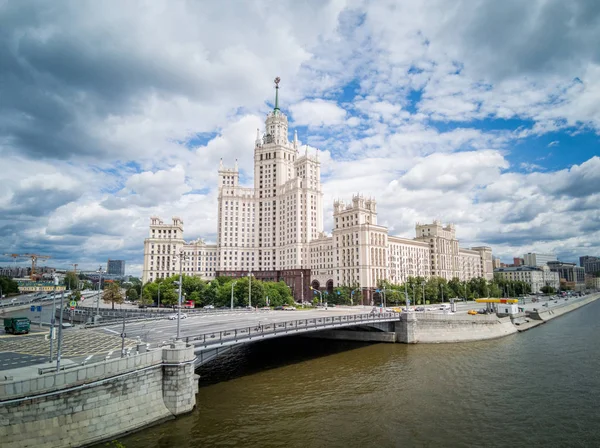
[[9, 286], [112, 294], [132, 294], [75, 295], [71, 280], [548, 290]]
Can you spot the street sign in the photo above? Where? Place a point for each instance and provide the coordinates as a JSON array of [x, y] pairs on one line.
[[32, 308], [73, 304], [72, 308], [39, 309]]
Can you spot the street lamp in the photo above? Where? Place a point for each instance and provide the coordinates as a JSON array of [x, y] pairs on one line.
[[181, 258], [99, 292], [352, 295], [158, 304], [250, 288], [232, 285], [53, 317], [319, 292]]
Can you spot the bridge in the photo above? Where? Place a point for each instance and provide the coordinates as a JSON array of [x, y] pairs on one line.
[[211, 344]]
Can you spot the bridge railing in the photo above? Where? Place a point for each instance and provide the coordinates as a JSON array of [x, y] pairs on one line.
[[299, 325]]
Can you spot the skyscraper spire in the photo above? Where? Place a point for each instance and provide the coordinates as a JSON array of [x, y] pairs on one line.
[[276, 110], [295, 139]]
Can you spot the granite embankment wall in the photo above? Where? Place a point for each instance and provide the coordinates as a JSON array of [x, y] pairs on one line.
[[438, 328], [89, 404], [568, 306]]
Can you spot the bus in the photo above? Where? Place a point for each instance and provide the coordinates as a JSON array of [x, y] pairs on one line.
[[189, 304]]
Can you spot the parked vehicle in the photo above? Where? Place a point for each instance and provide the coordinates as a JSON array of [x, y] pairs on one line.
[[17, 325], [472, 312], [174, 316], [189, 304], [209, 307], [278, 308]]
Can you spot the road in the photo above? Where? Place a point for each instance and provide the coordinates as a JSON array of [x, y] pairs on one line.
[[165, 330]]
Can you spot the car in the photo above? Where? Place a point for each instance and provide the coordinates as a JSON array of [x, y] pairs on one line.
[[289, 308], [278, 308], [482, 311], [209, 307], [420, 308], [174, 316], [472, 312]]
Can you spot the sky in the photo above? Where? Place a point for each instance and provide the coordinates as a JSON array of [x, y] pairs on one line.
[[481, 113]]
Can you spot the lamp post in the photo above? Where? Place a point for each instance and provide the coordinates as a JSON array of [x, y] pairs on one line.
[[320, 294], [442, 289], [99, 292], [181, 257], [352, 295], [423, 284], [59, 351], [250, 288], [52, 318], [158, 304], [232, 285], [302, 285]]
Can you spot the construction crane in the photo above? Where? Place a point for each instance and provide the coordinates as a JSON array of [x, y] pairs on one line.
[[34, 258]]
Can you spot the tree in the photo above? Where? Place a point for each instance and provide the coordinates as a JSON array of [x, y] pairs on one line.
[[548, 289], [112, 294], [75, 295], [132, 294], [71, 280], [9, 286]]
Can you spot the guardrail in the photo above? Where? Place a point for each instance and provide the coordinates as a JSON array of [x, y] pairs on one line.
[[243, 334]]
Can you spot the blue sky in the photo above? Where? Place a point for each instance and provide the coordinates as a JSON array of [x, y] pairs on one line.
[[485, 117]]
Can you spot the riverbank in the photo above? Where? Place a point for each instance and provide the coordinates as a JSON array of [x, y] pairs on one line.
[[436, 328]]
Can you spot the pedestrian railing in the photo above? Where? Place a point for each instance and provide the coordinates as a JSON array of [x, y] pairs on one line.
[[245, 334]]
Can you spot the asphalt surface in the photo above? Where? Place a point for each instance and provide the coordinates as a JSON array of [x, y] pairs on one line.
[[165, 330]]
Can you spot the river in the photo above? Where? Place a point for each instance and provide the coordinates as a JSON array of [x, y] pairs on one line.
[[535, 389]]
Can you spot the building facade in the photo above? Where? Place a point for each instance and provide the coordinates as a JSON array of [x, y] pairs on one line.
[[569, 273], [590, 264], [533, 259], [116, 267], [275, 230], [164, 247], [536, 277]]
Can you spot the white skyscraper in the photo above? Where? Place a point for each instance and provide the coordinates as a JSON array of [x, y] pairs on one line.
[[275, 230]]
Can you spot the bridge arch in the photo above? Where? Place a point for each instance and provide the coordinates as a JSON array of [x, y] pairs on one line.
[[315, 284]]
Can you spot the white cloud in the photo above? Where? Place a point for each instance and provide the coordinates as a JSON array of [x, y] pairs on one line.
[[317, 113]]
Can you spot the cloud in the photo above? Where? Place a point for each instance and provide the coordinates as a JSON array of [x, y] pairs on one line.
[[317, 113], [112, 113]]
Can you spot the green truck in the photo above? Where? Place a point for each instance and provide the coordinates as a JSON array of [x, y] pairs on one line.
[[17, 325]]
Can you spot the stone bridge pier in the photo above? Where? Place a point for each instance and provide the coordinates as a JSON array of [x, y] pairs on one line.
[[89, 404]]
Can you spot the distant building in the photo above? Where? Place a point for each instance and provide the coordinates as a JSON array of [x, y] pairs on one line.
[[569, 272], [590, 264], [518, 261], [116, 267], [496, 263], [533, 259], [536, 277]]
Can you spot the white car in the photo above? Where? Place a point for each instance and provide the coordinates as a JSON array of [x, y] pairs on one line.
[[209, 307], [174, 316]]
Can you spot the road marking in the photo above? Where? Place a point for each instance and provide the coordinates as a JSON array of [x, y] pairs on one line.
[[112, 331], [88, 358]]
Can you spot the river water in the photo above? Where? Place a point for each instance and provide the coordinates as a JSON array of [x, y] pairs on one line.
[[540, 388]]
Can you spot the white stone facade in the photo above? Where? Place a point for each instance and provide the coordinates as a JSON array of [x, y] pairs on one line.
[[536, 277], [278, 225], [163, 246]]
